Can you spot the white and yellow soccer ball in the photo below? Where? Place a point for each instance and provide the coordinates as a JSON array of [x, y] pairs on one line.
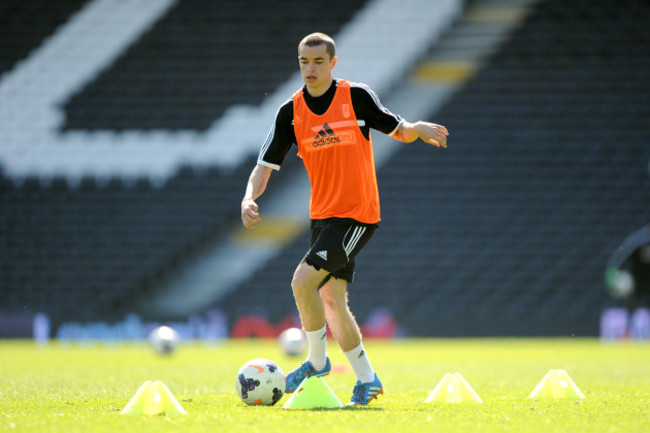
[[260, 382], [293, 341]]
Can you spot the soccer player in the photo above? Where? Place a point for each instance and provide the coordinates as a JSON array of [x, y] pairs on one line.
[[330, 120]]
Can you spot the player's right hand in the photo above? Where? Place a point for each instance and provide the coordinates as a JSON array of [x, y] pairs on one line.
[[249, 214]]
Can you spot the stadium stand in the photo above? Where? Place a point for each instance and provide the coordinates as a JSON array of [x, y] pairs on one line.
[[504, 233], [86, 250], [25, 24], [85, 253], [91, 47], [219, 54], [507, 231]]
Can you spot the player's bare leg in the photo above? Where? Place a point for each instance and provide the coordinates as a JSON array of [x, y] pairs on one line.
[[346, 331], [305, 284], [306, 280], [342, 323]]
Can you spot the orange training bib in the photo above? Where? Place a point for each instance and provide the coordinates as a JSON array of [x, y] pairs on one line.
[[338, 158]]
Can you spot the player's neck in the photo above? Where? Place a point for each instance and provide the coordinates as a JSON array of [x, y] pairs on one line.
[[320, 90]]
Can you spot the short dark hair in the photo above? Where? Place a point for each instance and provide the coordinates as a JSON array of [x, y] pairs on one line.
[[316, 39]]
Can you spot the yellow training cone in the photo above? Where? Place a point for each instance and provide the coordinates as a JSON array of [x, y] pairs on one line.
[[153, 398], [453, 388], [556, 384], [313, 393]]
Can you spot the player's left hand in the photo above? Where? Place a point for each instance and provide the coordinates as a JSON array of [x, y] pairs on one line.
[[432, 133]]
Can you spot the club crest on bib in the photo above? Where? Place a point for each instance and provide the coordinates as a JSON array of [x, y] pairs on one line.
[[345, 108]]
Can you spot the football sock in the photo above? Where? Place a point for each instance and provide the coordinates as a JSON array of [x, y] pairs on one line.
[[360, 364], [317, 347]]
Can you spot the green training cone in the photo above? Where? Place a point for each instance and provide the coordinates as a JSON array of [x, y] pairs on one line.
[[453, 388], [153, 398], [313, 393], [556, 385]]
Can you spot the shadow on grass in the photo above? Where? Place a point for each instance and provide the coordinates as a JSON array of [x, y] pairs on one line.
[[332, 409]]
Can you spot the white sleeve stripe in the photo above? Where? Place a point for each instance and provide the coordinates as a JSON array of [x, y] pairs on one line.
[[268, 164], [269, 137], [394, 131]]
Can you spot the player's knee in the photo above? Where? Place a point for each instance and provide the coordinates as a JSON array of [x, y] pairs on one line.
[[301, 282], [297, 285]]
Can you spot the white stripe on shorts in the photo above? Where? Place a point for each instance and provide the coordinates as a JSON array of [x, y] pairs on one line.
[[354, 239]]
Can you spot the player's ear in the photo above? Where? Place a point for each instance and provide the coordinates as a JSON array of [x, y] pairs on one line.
[[334, 60]]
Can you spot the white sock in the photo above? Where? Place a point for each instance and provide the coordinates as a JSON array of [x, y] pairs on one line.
[[360, 364], [317, 347]]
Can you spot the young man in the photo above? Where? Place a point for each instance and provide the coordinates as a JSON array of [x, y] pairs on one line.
[[329, 120]]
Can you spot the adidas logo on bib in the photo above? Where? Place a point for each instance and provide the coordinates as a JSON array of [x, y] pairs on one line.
[[325, 137], [322, 254]]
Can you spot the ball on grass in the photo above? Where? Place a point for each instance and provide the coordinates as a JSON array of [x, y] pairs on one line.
[[260, 382], [293, 341], [164, 340]]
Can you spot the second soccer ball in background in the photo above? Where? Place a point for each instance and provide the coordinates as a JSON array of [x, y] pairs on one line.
[[293, 341]]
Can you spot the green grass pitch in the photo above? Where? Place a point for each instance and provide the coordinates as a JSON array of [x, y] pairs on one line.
[[82, 388]]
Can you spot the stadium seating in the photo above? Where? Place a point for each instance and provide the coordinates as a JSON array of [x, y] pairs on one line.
[[239, 58], [507, 231], [25, 24], [547, 170], [87, 250]]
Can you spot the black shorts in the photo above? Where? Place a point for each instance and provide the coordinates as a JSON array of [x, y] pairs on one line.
[[334, 244]]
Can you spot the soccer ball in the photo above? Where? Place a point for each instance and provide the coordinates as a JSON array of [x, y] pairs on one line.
[[293, 341], [164, 340], [260, 382]]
